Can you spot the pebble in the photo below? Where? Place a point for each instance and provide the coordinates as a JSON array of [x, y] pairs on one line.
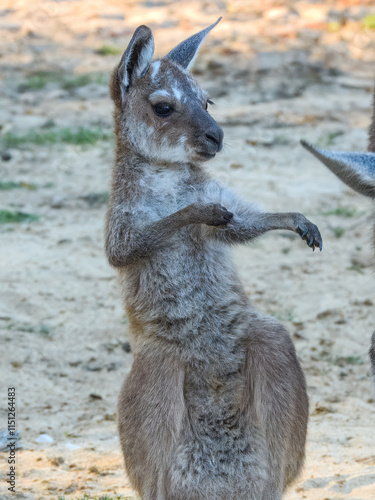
[[6, 156], [72, 446], [57, 202], [93, 396], [126, 347], [44, 439], [57, 461]]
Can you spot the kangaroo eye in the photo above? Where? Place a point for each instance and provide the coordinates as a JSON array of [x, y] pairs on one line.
[[162, 109]]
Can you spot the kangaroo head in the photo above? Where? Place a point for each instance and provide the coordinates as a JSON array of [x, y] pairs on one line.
[[160, 111]]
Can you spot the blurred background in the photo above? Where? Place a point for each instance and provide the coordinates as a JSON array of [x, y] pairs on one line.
[[278, 71]]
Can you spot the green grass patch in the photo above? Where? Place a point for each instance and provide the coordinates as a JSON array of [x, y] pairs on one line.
[[334, 26], [288, 315], [8, 185], [327, 140], [82, 80], [80, 136], [369, 22], [338, 231], [38, 80], [108, 50], [96, 199], [281, 140], [8, 217], [344, 361], [358, 268], [345, 211], [41, 329]]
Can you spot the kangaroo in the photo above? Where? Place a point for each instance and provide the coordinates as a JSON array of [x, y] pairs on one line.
[[357, 170], [215, 404]]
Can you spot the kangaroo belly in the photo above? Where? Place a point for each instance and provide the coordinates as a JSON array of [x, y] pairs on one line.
[[220, 449], [227, 462]]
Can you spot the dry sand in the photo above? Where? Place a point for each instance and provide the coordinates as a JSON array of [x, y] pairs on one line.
[[278, 72]]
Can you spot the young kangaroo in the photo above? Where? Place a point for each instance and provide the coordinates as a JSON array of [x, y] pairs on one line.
[[357, 170], [215, 405]]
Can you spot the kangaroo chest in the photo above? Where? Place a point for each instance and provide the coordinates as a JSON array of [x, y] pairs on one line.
[[167, 191]]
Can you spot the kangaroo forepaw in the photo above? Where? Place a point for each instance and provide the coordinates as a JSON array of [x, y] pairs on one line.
[[310, 233], [218, 215]]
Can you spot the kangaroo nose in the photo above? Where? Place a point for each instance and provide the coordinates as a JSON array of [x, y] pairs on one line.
[[215, 136]]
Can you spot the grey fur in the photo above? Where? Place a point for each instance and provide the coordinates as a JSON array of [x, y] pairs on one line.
[[185, 53], [357, 170], [215, 405]]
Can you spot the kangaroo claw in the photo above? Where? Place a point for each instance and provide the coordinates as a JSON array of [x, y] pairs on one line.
[[310, 233]]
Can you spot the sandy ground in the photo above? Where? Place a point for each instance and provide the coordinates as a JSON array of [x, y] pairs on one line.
[[278, 72]]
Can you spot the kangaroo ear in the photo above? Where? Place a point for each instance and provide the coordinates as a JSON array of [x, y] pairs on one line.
[[136, 58], [357, 170], [185, 53]]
